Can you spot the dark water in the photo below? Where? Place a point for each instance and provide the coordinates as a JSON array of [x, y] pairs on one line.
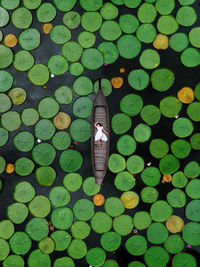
[[183, 77]]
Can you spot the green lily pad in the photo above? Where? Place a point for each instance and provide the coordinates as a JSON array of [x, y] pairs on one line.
[[17, 212], [160, 211], [90, 188], [62, 239], [156, 256], [149, 59], [101, 222], [29, 116], [14, 260], [179, 41], [114, 206], [6, 80], [40, 206], [126, 145], [92, 58], [169, 164], [193, 189], [60, 34], [23, 60], [72, 181], [192, 169], [131, 104], [23, 192], [138, 79], [70, 160], [5, 103], [184, 258], [82, 86], [7, 229], [46, 12], [29, 39], [43, 154], [82, 107], [20, 243], [59, 196], [186, 16], [46, 245], [83, 209], [135, 164], [38, 74], [45, 175], [5, 249], [128, 46], [123, 224], [63, 5], [146, 13], [21, 18], [121, 123], [158, 148], [24, 166], [10, 120], [174, 244], [142, 220], [57, 64], [63, 95], [149, 194], [157, 233], [116, 163], [151, 176], [176, 198], [77, 249], [38, 258], [91, 21], [110, 241], [72, 51], [11, 5], [37, 228], [190, 57], [62, 218], [96, 256], [110, 30], [128, 23], [183, 127], [24, 141], [80, 230], [191, 233], [167, 25], [179, 179], [72, 19]]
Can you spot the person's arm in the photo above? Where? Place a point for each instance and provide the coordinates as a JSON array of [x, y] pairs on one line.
[[105, 131]]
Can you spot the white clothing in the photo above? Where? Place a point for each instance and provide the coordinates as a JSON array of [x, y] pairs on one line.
[[100, 135]]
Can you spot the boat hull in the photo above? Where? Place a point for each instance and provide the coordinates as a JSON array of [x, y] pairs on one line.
[[99, 156]]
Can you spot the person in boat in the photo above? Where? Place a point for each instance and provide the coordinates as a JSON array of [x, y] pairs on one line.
[[99, 134]]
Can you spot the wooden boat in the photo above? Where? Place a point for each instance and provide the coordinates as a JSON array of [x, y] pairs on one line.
[[99, 156]]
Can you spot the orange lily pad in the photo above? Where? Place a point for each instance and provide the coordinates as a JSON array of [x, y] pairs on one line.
[[130, 199], [10, 168], [161, 42], [175, 224], [122, 70], [98, 199], [10, 40], [186, 95], [117, 82], [166, 178], [46, 28], [62, 121]]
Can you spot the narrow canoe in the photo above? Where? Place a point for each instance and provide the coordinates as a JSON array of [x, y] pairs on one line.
[[99, 156]]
